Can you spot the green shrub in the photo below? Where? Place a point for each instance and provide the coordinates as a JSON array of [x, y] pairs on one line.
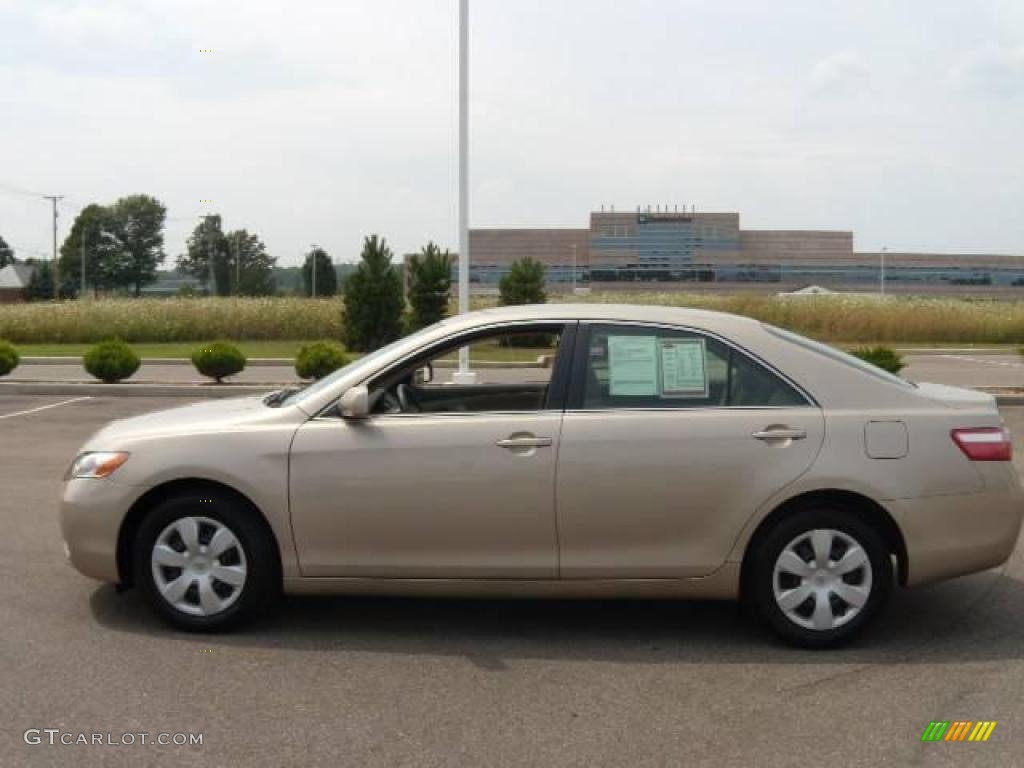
[[8, 358], [885, 358], [320, 358], [219, 360], [111, 361]]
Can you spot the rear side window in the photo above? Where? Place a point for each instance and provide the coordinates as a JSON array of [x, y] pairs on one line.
[[638, 367]]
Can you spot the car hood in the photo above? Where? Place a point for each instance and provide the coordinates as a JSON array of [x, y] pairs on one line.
[[203, 417]]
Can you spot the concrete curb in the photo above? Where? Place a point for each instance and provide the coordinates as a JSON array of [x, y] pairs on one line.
[[253, 363], [133, 390]]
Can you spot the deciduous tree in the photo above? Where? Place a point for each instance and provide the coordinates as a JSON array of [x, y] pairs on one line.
[[206, 257], [326, 277], [252, 268]]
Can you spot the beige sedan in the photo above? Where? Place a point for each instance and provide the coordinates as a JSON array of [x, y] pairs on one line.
[[569, 451]]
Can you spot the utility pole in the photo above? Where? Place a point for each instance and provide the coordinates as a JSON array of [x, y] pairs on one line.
[[82, 294], [238, 266], [56, 269]]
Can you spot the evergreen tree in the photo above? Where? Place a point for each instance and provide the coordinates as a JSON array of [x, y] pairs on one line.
[[373, 299], [429, 275], [523, 284]]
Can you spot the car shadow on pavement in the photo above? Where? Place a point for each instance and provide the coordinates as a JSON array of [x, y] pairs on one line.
[[970, 619]]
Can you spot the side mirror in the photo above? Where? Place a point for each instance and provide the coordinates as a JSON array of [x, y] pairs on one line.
[[424, 375], [355, 403]]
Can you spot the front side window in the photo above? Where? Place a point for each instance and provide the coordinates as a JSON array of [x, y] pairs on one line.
[[639, 367], [509, 371]]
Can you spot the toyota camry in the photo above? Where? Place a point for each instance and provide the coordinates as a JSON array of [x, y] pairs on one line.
[[565, 451]]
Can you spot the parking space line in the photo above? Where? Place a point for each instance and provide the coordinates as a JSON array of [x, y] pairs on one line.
[[44, 407], [982, 360]]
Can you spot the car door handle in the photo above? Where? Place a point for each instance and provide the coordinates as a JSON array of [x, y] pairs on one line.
[[524, 442], [782, 433]]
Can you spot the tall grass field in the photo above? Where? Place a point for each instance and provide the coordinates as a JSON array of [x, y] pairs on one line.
[[835, 318]]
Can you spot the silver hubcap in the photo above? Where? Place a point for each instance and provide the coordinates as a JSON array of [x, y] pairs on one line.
[[198, 566], [822, 579]]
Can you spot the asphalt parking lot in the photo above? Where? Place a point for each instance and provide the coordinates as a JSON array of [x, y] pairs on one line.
[[396, 682]]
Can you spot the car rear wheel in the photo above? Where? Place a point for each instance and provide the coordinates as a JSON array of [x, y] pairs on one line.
[[204, 563], [820, 576]]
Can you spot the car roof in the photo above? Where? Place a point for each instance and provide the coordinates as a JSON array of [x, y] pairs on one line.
[[618, 312]]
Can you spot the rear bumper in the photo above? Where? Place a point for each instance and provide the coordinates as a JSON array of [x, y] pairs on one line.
[[948, 536]]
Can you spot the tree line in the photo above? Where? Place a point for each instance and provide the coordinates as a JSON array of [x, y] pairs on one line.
[[121, 246], [375, 307]]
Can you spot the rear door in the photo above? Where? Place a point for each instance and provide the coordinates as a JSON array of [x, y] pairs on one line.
[[671, 441]]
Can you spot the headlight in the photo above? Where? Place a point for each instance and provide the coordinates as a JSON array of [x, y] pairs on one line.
[[95, 465]]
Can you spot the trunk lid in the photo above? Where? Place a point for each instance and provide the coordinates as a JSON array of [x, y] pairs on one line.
[[958, 397]]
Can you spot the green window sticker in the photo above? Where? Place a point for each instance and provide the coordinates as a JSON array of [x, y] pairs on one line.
[[632, 365]]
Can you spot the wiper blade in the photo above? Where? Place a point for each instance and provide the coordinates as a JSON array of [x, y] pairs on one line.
[[276, 398]]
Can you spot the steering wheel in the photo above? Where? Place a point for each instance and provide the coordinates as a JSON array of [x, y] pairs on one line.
[[407, 399]]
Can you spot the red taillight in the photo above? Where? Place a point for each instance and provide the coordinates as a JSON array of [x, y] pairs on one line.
[[984, 443]]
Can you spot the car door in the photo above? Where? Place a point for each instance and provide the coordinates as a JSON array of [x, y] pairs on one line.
[[452, 476], [671, 440]]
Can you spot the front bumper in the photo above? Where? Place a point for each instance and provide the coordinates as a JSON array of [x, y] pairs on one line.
[[948, 536], [91, 513]]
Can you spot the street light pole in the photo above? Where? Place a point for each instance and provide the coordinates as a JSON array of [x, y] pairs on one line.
[[312, 268], [574, 269], [464, 375]]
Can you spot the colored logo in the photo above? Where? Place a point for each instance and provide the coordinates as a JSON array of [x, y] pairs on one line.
[[958, 730]]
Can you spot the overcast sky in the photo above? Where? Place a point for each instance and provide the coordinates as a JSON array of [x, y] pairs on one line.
[[319, 121]]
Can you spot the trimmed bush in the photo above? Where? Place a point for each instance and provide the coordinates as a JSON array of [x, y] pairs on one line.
[[8, 358], [111, 361], [320, 358], [219, 360], [885, 358]]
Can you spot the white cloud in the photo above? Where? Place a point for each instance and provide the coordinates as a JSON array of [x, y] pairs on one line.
[[840, 74], [992, 70], [321, 121]]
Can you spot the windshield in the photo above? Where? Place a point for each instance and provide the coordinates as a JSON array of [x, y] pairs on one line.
[[838, 355], [328, 381]]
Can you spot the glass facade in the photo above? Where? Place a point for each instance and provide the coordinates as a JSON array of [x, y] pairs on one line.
[[656, 246]]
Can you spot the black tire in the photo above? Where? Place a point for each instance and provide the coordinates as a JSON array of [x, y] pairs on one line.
[[759, 589], [262, 585]]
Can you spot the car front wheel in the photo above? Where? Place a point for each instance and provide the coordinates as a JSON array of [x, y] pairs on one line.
[[820, 576], [203, 562]]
